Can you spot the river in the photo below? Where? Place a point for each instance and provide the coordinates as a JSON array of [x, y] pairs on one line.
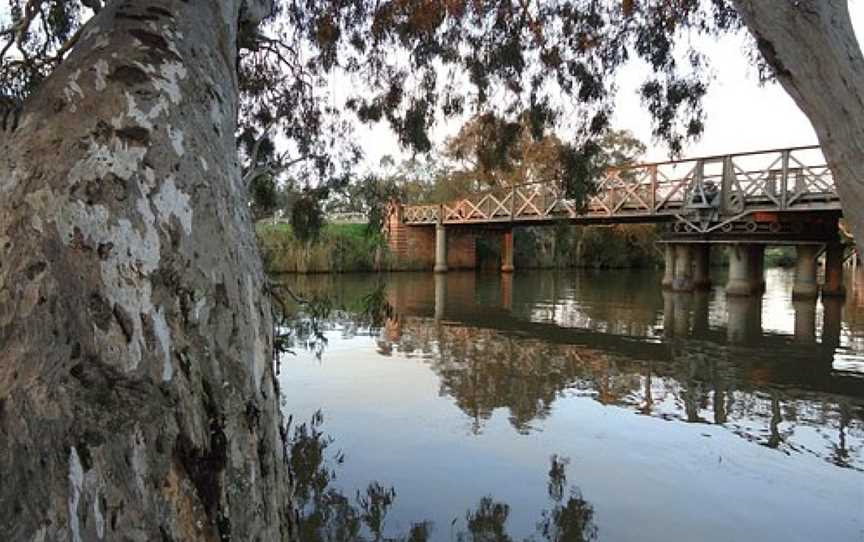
[[577, 406]]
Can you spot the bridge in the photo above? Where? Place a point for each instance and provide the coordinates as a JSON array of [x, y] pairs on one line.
[[746, 201]]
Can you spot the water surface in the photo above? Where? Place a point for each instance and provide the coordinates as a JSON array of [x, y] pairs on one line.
[[672, 416]]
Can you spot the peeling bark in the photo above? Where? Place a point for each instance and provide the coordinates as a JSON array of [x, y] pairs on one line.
[[812, 47], [135, 335]]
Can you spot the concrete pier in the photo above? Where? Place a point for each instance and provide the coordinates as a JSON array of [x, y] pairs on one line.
[[701, 305], [440, 296], [683, 281], [506, 291], [805, 286], [701, 266], [681, 312], [833, 286], [832, 321], [757, 266], [669, 269], [743, 319], [805, 319], [440, 248], [668, 313], [507, 252], [741, 280], [676, 313]]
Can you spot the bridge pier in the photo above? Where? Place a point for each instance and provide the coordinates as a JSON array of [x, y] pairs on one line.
[[701, 303], [681, 325], [668, 313], [440, 296], [683, 281], [805, 273], [506, 291], [669, 269], [701, 266], [742, 280], [833, 286], [805, 319], [832, 321], [676, 313], [440, 248], [757, 261], [743, 319], [507, 251]]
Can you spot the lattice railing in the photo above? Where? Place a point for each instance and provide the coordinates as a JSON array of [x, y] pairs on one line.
[[722, 186], [420, 214]]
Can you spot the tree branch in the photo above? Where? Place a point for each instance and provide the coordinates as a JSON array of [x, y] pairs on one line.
[[275, 169]]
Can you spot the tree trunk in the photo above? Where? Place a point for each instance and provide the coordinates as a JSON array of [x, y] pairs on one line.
[[137, 395], [812, 47]]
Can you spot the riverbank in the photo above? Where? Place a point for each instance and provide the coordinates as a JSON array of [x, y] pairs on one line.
[[348, 248]]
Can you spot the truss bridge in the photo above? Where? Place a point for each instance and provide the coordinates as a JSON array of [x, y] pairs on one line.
[[750, 199]]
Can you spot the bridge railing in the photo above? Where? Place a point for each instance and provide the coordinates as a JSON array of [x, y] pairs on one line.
[[773, 180]]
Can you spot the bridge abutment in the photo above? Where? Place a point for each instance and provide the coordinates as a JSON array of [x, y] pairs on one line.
[[805, 286]]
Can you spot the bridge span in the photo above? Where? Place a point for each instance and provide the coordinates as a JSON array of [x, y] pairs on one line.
[[746, 201]]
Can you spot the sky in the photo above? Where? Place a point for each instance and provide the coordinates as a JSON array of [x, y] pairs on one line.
[[740, 115]]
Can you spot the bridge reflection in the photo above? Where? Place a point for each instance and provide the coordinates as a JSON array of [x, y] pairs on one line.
[[696, 358]]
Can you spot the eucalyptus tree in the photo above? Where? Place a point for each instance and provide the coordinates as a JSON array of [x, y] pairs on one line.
[[136, 380], [137, 397]]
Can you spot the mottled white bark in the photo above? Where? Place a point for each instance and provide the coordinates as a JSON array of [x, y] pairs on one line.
[[812, 47], [137, 399]]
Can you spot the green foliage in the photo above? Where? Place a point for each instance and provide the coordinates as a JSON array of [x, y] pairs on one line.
[[371, 195], [307, 218], [565, 245], [412, 63], [37, 45], [338, 248], [266, 196]]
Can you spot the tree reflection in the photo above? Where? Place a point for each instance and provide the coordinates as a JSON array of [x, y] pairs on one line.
[[300, 319], [487, 523], [325, 514], [568, 521], [485, 361]]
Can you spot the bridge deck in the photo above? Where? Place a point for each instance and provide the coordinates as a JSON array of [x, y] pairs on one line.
[[705, 194]]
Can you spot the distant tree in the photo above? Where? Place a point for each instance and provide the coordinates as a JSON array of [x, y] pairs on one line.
[[267, 197], [621, 148], [481, 160], [489, 151]]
